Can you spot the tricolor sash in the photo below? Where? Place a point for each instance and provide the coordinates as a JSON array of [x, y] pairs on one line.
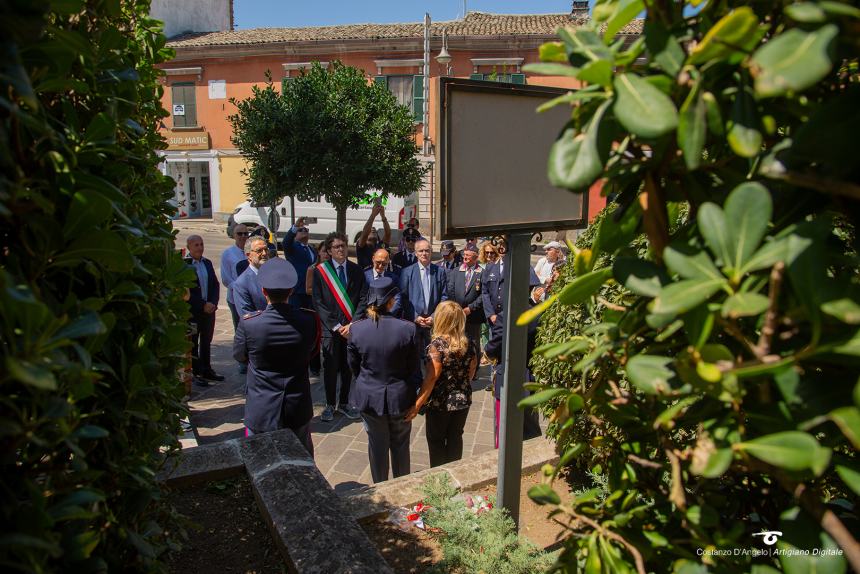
[[338, 289]]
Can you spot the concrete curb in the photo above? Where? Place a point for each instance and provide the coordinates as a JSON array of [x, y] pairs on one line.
[[468, 475]]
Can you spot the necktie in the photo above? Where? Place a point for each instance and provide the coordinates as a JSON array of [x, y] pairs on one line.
[[409, 257], [341, 275], [468, 276], [425, 283], [310, 253]]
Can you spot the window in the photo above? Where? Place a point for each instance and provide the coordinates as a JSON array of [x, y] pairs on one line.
[[408, 91], [506, 78], [184, 105]]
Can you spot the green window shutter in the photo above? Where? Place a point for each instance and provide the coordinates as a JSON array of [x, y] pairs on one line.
[[418, 98], [183, 93], [476, 77], [381, 80], [518, 78]]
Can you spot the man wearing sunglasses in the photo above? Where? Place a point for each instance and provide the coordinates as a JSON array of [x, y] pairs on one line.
[[302, 256], [231, 256], [406, 257]]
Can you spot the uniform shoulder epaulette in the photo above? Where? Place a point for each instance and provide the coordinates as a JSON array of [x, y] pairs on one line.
[[251, 315], [306, 310]]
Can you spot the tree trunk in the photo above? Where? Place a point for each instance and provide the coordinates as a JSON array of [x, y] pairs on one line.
[[341, 220]]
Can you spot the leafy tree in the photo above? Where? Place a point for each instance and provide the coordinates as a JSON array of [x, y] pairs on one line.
[[699, 356], [93, 321], [331, 134]]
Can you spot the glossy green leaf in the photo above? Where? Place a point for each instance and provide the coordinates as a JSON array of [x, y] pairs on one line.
[[651, 374], [703, 516], [91, 432], [666, 419], [850, 475], [576, 159], [87, 211], [625, 11], [551, 69], [793, 61], [715, 230], [713, 114], [101, 129], [846, 310], [714, 464], [744, 135], [692, 128], [768, 255], [580, 289], [684, 295], [85, 325], [544, 494], [840, 9], [848, 421], [806, 12], [642, 108], [791, 450], [106, 248], [691, 264], [639, 276], [570, 98], [32, 375], [541, 397], [736, 32], [584, 45], [596, 72], [615, 232], [571, 453], [664, 47], [552, 52], [744, 305], [575, 403]]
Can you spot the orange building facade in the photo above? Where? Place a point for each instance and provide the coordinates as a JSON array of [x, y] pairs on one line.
[[210, 68]]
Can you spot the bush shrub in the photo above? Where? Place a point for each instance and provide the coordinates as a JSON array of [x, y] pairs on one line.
[[477, 542], [699, 359], [91, 290]]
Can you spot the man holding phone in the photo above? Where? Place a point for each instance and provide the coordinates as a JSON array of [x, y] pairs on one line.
[[368, 241], [301, 256]]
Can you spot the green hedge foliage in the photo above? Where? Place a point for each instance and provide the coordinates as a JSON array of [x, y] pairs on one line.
[[91, 289], [699, 356]]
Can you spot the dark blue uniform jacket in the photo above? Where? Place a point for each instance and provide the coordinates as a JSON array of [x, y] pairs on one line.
[[384, 357], [277, 344]]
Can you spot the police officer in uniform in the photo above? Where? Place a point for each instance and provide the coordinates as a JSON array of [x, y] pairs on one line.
[[277, 345], [384, 354]]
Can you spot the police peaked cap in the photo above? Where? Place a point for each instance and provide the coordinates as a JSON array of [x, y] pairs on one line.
[[277, 273], [381, 290]]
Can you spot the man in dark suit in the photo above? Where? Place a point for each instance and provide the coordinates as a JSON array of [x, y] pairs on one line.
[[340, 297], [406, 256], [277, 344], [301, 255], [381, 267], [247, 291], [424, 286], [464, 287], [204, 302]]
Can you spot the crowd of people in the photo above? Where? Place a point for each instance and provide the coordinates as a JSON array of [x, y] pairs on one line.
[[392, 336]]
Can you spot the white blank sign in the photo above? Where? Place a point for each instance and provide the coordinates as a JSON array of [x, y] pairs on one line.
[[493, 164]]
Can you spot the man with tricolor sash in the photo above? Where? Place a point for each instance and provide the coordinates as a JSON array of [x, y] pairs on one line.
[[340, 297]]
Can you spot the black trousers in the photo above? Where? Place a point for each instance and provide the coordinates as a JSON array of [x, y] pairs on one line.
[[201, 353], [387, 439], [334, 367], [445, 435]]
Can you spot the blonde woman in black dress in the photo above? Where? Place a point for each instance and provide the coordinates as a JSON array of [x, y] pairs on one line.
[[447, 387]]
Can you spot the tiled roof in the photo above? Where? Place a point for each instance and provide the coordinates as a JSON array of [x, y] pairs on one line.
[[475, 24]]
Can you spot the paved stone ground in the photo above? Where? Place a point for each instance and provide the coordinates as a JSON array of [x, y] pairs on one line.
[[340, 445]]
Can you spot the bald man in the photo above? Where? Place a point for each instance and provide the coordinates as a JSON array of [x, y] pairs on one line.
[[204, 303], [381, 266]]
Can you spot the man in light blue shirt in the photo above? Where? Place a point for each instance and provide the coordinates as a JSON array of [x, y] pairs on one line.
[[231, 256]]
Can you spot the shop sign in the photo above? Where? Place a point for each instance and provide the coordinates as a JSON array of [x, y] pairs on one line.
[[187, 140]]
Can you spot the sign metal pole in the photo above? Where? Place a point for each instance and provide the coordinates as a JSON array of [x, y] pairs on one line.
[[517, 262]]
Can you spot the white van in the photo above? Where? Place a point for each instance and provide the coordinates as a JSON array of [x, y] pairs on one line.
[[398, 210]]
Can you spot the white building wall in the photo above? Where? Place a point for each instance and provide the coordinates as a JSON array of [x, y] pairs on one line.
[[192, 15]]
